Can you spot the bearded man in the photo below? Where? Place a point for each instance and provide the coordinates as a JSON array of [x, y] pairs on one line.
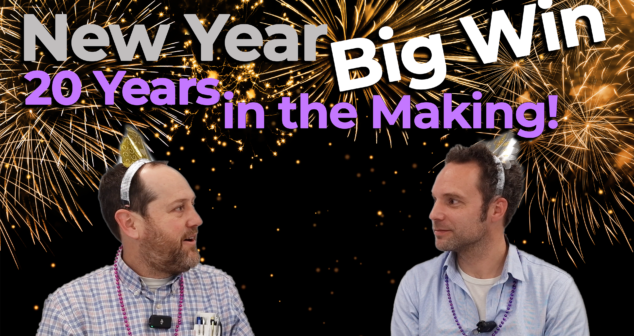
[[157, 285], [482, 284]]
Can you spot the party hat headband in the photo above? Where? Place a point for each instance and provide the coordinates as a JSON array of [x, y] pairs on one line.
[[505, 149], [133, 155]]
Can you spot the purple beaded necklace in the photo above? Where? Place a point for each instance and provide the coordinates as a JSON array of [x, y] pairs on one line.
[[506, 314], [125, 316]]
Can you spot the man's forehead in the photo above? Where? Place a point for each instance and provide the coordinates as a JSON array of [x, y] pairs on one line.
[[158, 172], [457, 178], [166, 182]]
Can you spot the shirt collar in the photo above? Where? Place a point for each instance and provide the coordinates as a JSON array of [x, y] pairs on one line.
[[512, 266], [129, 279]]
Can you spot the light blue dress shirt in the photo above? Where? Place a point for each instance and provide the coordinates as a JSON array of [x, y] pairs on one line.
[[546, 302]]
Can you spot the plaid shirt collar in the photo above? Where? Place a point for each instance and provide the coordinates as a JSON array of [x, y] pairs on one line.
[[129, 279]]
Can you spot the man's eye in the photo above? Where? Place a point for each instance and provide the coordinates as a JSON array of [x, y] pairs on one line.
[[180, 208], [453, 201]]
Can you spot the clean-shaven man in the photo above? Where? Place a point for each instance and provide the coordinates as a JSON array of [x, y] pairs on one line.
[[482, 284]]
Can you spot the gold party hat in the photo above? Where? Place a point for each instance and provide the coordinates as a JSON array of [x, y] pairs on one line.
[[132, 148]]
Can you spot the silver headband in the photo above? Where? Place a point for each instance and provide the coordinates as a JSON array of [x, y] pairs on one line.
[[500, 186], [505, 150], [133, 155], [127, 180]]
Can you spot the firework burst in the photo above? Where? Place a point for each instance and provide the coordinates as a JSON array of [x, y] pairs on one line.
[[580, 172], [344, 22], [513, 80], [242, 80], [47, 152]]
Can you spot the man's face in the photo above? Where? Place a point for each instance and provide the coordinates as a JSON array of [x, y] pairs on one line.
[[457, 207], [168, 241]]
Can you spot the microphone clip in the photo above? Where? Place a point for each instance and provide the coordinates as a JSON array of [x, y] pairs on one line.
[[485, 326]]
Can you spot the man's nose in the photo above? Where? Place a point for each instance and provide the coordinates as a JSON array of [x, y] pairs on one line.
[[196, 220], [436, 213]]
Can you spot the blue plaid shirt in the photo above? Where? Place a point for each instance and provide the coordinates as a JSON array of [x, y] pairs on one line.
[[546, 302], [90, 306]]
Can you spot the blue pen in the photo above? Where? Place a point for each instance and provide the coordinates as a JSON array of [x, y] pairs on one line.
[[199, 322]]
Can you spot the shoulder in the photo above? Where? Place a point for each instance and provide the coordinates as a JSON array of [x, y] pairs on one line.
[[430, 267], [556, 291], [542, 273], [534, 264], [219, 284], [415, 286], [211, 274], [80, 291], [84, 284], [65, 309], [425, 272]]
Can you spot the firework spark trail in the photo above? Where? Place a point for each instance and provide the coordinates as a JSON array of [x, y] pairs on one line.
[[513, 80], [586, 50], [243, 80], [408, 20], [573, 168], [580, 172], [47, 152]]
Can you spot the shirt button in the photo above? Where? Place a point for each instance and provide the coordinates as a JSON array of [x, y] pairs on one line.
[[137, 292], [158, 306]]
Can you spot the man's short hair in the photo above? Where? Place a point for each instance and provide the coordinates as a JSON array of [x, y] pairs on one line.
[[513, 177], [110, 195]]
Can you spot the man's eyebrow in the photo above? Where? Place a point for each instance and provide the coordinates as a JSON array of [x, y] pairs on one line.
[[452, 195], [183, 200]]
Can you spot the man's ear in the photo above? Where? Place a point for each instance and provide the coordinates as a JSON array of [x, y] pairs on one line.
[[128, 223], [498, 208]]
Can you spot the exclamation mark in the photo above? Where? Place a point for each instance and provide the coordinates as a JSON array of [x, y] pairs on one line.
[[552, 107]]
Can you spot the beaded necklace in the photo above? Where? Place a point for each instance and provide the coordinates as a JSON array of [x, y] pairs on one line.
[[125, 316], [506, 314]]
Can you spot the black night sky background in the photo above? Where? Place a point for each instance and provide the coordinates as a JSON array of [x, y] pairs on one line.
[[317, 237]]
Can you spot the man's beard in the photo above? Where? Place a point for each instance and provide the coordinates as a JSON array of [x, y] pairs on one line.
[[464, 240], [164, 255]]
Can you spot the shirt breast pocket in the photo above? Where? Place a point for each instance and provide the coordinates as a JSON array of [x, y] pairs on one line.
[[209, 330]]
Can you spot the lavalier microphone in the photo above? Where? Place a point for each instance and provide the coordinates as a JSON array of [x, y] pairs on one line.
[[486, 326]]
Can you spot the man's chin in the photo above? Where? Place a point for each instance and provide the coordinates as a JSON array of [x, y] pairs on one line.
[[189, 263], [443, 245], [190, 258], [195, 258]]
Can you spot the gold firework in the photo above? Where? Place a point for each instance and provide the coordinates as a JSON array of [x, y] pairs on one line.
[[47, 152], [514, 80], [580, 172], [241, 79], [408, 21]]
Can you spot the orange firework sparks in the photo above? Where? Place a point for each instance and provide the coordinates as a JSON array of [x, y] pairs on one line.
[[47, 152], [408, 21]]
